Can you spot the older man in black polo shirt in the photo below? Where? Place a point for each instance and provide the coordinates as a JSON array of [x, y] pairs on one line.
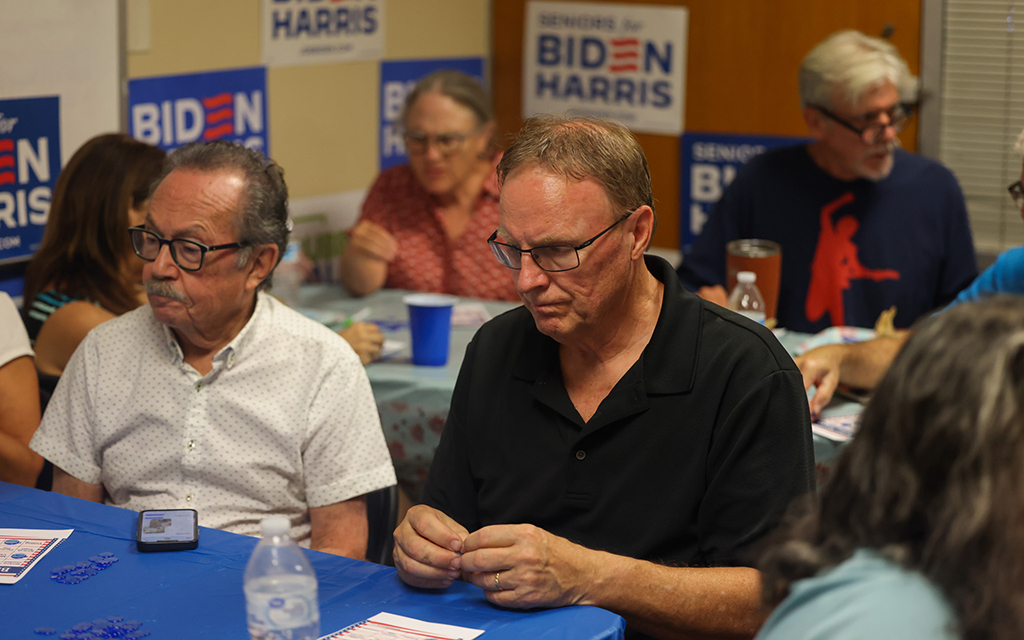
[[618, 441]]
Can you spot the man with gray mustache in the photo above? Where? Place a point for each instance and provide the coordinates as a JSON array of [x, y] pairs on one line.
[[863, 226], [215, 396]]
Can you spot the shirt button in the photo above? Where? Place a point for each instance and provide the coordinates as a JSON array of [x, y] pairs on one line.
[[581, 454], [191, 445], [188, 497], [199, 385]]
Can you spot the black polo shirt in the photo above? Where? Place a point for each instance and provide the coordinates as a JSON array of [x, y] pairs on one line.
[[691, 458]]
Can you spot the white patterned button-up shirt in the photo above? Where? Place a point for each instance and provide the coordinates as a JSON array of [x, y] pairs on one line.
[[283, 422]]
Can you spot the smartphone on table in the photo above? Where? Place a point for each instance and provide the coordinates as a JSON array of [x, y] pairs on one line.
[[168, 530]]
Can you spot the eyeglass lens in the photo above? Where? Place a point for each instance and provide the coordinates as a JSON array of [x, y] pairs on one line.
[[553, 258], [897, 116], [416, 142], [1017, 193], [185, 253]]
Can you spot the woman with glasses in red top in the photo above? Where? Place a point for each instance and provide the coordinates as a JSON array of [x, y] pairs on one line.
[[424, 225]]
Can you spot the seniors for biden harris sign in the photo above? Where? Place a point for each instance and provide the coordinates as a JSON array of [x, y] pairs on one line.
[[619, 61]]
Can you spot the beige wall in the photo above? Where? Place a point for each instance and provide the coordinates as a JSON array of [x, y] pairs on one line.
[[323, 119]]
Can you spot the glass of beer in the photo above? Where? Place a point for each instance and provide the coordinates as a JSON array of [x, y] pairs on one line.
[[764, 258]]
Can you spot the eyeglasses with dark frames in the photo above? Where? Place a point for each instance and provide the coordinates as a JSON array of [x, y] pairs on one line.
[[1017, 193], [898, 116], [187, 254], [417, 142], [552, 258]]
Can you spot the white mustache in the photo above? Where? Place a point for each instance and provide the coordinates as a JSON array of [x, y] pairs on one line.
[[164, 290]]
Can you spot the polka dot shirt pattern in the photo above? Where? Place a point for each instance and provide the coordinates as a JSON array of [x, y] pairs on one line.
[[427, 260], [284, 421]]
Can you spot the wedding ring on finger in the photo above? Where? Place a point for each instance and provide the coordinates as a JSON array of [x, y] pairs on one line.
[[497, 580]]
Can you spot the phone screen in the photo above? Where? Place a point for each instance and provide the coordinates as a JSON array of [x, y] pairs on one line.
[[172, 525]]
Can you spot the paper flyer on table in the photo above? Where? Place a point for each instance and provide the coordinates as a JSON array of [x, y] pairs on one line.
[[469, 314], [838, 428], [388, 626], [21, 549]]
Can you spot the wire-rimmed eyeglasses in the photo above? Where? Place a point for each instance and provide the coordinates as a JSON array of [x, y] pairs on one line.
[[553, 257], [898, 116], [417, 142], [187, 254]]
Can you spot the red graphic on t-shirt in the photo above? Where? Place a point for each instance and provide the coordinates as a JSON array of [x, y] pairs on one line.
[[836, 264]]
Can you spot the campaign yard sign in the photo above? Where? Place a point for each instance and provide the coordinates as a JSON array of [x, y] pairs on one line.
[[319, 31], [621, 61], [29, 165], [709, 164], [171, 111], [397, 79]]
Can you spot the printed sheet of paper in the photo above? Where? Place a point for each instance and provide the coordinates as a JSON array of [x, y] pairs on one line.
[[469, 314], [838, 428], [388, 626], [21, 549]]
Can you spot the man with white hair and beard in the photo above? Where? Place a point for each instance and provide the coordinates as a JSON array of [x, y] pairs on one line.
[[863, 225], [215, 396]]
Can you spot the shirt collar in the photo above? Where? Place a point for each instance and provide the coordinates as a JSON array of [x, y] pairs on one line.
[[669, 360]]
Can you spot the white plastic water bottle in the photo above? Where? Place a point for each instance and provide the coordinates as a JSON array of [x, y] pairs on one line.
[[746, 298], [280, 587]]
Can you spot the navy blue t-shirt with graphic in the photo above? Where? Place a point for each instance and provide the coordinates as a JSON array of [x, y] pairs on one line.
[[850, 250]]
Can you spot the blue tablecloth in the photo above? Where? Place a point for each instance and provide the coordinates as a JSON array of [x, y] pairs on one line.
[[186, 595]]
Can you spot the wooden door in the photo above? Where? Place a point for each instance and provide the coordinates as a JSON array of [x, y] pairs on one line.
[[741, 74]]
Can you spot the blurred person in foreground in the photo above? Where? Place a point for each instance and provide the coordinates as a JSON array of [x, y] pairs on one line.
[[917, 534], [616, 441], [424, 225], [85, 272], [19, 399], [216, 396], [863, 225], [861, 365]]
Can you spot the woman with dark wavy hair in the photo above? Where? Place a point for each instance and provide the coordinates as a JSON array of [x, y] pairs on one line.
[[85, 272], [920, 531]]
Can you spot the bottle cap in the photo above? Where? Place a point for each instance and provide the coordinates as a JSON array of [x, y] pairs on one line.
[[746, 277], [275, 526]]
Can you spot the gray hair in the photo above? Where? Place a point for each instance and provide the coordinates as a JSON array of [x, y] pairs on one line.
[[582, 147], [847, 65], [1018, 146], [458, 86], [262, 216]]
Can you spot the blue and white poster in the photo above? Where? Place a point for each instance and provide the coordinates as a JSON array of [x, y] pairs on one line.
[[397, 79], [170, 111], [29, 165], [318, 31], [620, 61], [709, 164]]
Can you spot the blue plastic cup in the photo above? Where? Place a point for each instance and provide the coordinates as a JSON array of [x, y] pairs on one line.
[[430, 322]]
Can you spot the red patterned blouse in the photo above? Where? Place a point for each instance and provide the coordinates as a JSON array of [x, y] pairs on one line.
[[427, 259]]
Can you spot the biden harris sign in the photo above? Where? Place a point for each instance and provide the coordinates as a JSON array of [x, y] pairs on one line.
[[318, 31], [171, 111], [29, 165], [620, 61]]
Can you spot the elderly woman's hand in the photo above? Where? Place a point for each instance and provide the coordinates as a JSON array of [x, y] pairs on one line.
[[366, 339], [373, 240]]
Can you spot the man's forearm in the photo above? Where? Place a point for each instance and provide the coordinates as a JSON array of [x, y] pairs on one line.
[[66, 484], [865, 363], [678, 602]]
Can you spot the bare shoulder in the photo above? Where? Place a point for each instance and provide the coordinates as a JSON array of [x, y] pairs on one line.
[[63, 331]]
